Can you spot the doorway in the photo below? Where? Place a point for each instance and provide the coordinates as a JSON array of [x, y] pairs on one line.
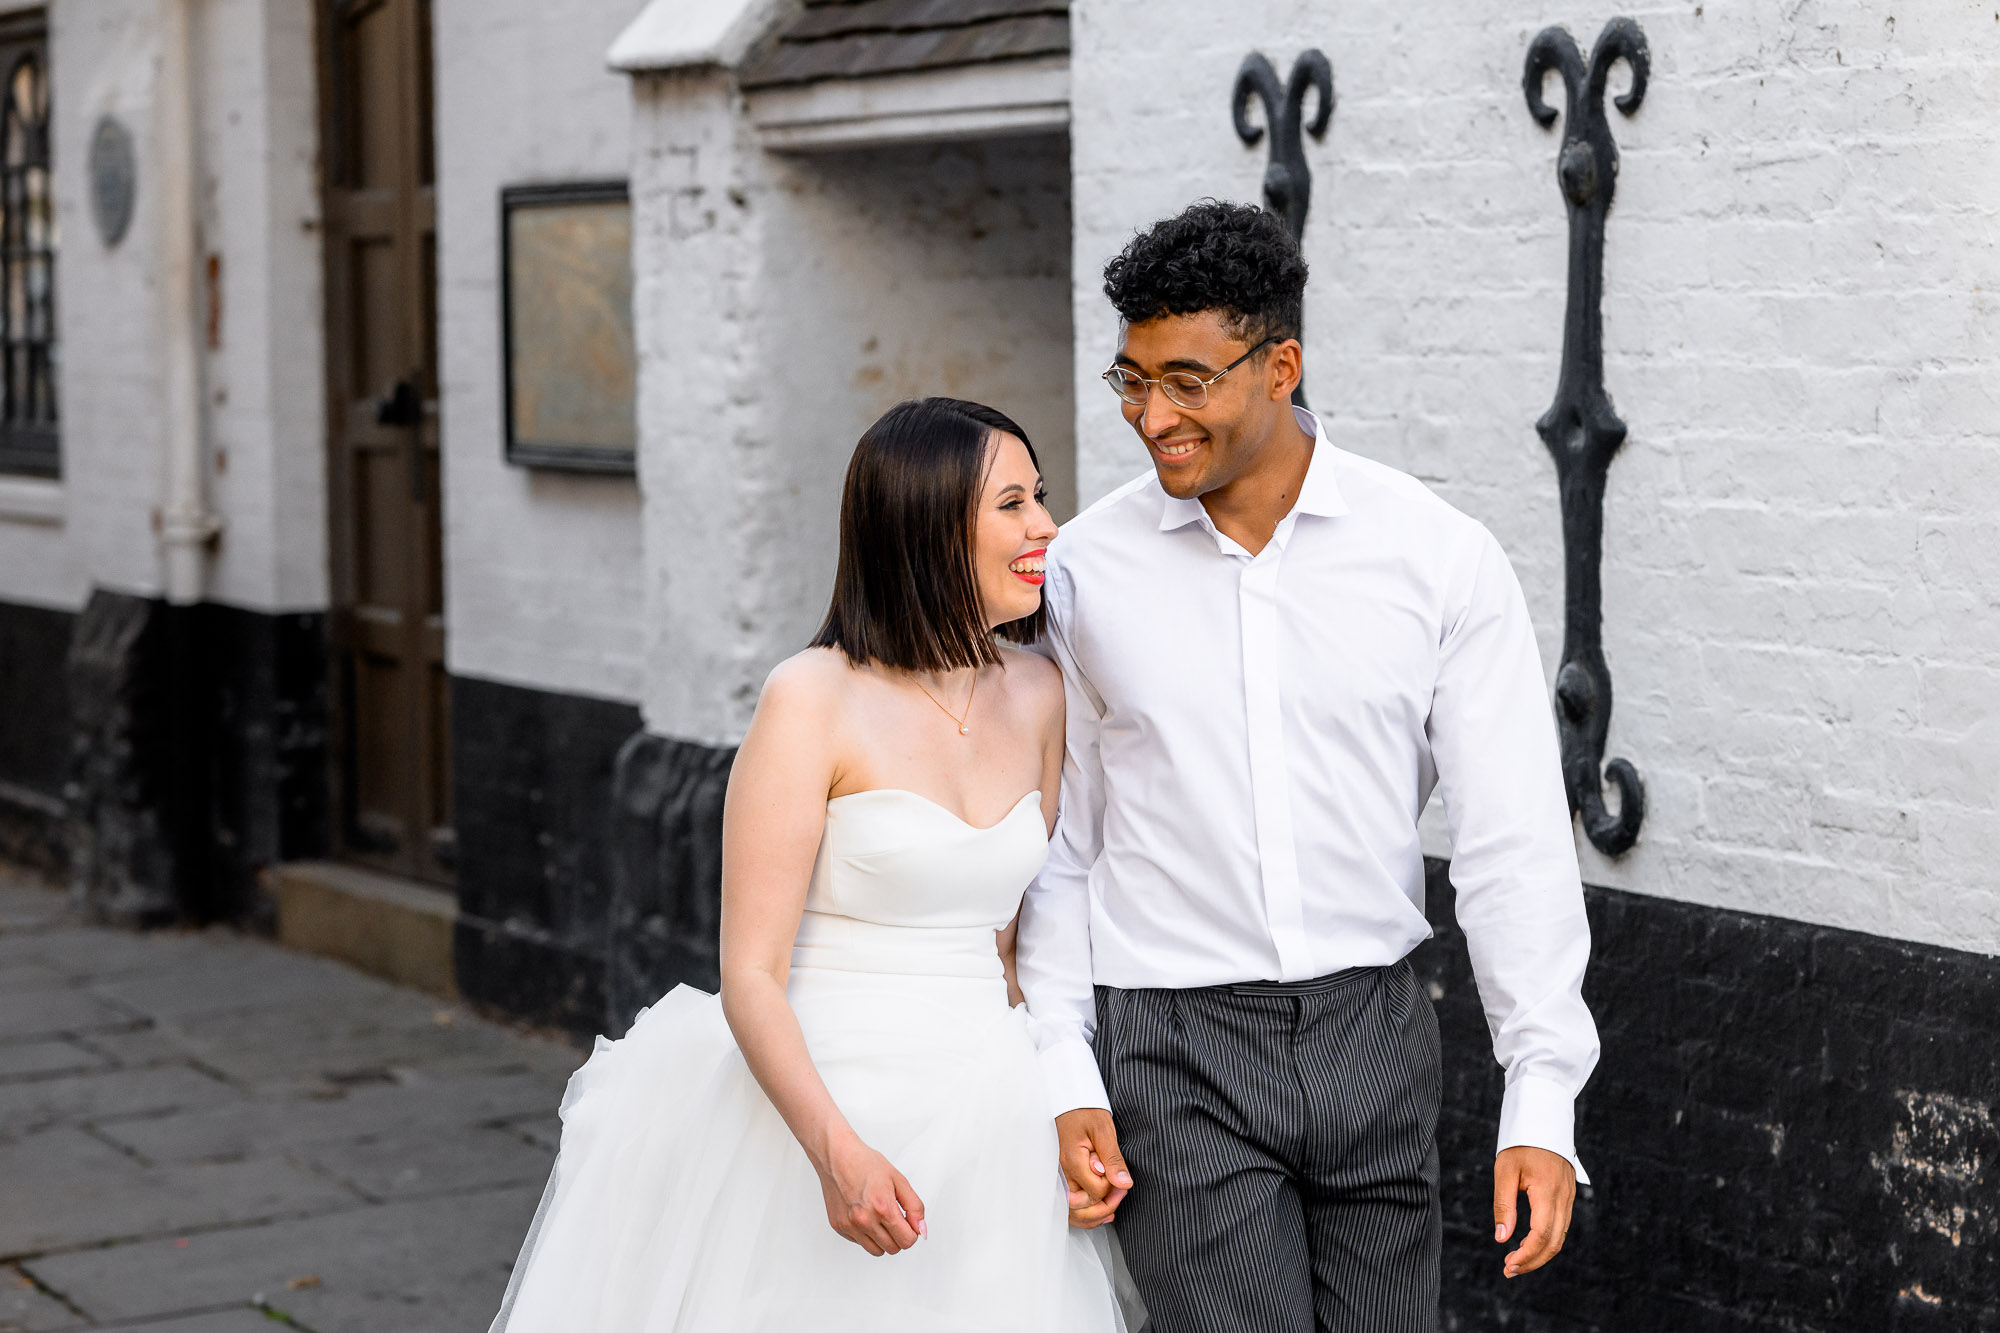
[[392, 784]]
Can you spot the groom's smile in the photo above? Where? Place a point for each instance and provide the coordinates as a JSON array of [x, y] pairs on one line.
[[1194, 388]]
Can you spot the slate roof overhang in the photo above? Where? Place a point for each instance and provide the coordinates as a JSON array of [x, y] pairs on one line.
[[864, 39]]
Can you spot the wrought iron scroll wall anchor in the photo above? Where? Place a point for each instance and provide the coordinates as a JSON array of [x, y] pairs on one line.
[[1287, 178], [1581, 429]]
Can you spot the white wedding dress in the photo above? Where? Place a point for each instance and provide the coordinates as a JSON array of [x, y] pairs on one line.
[[680, 1203]]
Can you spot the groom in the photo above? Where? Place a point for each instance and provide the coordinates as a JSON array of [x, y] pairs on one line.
[[1273, 650]]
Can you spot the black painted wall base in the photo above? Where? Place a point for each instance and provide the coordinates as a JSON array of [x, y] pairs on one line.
[[34, 735], [175, 750], [533, 802], [666, 908], [1791, 1128], [270, 786], [123, 839]]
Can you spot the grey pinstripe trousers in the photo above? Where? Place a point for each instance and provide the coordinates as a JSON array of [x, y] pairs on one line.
[[1282, 1139]]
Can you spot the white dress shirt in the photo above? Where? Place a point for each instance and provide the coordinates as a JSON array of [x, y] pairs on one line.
[[1251, 740]]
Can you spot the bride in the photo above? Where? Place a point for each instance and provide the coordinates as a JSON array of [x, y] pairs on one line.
[[857, 1132]]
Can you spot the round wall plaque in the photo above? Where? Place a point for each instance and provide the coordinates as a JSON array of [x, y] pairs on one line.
[[114, 178]]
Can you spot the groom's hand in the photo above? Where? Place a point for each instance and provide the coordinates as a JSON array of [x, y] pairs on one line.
[[1087, 1144], [1550, 1184]]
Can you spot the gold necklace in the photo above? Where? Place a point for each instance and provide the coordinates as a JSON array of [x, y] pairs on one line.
[[963, 729]]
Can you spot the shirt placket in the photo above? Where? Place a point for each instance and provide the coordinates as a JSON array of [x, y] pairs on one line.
[[1270, 779]]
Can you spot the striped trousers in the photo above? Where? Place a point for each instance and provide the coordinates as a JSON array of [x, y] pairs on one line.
[[1282, 1139]]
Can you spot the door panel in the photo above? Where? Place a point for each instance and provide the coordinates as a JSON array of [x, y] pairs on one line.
[[394, 785]]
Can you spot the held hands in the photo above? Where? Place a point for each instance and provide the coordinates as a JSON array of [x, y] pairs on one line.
[[1087, 1147], [868, 1201], [1550, 1184]]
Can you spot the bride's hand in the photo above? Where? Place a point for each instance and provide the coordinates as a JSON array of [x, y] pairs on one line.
[[869, 1202]]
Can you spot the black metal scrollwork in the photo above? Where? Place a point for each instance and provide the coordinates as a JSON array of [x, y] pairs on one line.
[[1287, 178], [1581, 429]]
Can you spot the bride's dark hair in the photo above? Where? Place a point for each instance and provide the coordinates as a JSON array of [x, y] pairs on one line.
[[904, 591]]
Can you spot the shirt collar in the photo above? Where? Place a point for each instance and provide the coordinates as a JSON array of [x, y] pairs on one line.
[[1318, 494]]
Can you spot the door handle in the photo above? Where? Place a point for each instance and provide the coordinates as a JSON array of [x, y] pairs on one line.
[[404, 406], [401, 406]]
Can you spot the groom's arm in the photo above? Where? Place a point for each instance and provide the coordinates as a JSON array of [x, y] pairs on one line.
[[1053, 947], [1520, 896]]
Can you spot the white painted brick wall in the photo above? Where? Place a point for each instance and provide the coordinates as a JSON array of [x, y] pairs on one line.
[[705, 451], [264, 375], [904, 272], [256, 141], [102, 59], [783, 303], [1802, 571], [544, 582]]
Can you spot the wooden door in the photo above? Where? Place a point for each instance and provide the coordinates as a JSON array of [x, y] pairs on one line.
[[392, 695]]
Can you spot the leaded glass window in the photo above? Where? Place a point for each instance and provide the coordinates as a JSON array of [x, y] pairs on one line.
[[28, 438]]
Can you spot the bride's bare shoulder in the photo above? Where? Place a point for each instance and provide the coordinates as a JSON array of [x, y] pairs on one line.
[[1038, 680], [808, 687]]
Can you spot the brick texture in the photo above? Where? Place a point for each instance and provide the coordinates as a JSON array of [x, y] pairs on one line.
[[1792, 1128], [1801, 572]]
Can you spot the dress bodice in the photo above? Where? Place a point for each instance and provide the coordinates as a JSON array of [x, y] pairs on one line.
[[902, 884]]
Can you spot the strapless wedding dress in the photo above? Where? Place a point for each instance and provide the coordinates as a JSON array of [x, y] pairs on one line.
[[680, 1203]]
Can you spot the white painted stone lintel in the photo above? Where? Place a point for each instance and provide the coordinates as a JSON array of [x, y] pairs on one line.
[[979, 101], [31, 500]]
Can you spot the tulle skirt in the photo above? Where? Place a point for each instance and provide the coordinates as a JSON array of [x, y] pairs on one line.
[[680, 1202]]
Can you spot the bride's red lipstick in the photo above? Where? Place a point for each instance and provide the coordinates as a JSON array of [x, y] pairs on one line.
[[1039, 553]]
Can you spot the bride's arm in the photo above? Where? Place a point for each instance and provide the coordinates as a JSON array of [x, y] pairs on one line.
[[772, 820]]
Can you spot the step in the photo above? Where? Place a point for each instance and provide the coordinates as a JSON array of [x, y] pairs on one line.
[[396, 929]]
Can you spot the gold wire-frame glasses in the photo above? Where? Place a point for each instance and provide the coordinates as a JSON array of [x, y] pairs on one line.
[[1183, 388]]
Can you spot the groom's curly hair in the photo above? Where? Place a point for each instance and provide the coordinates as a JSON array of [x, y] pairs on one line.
[[1233, 258]]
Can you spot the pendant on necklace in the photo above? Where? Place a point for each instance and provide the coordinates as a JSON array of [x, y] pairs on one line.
[[965, 731]]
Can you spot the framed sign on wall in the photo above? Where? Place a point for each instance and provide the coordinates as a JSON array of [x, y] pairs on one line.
[[570, 365]]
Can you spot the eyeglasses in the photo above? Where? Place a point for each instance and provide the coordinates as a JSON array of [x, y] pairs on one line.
[[1183, 388]]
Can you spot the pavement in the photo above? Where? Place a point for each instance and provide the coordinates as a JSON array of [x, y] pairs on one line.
[[201, 1132]]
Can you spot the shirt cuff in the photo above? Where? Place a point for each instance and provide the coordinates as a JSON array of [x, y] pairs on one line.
[[1070, 1077], [1540, 1113]]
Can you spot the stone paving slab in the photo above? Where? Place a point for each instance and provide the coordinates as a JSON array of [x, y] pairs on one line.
[[415, 1166], [25, 905], [260, 1127], [545, 1129], [139, 1046], [259, 978], [25, 1308], [57, 1011], [57, 1055], [203, 1133], [66, 1187], [84, 953], [93, 1097], [25, 974], [432, 1266], [242, 1320], [303, 1047]]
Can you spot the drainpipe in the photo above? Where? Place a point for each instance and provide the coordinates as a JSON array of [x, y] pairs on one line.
[[187, 525]]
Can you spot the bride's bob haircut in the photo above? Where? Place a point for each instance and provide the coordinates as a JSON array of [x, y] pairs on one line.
[[904, 593]]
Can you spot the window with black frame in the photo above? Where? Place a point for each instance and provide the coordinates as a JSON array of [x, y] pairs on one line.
[[28, 435]]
